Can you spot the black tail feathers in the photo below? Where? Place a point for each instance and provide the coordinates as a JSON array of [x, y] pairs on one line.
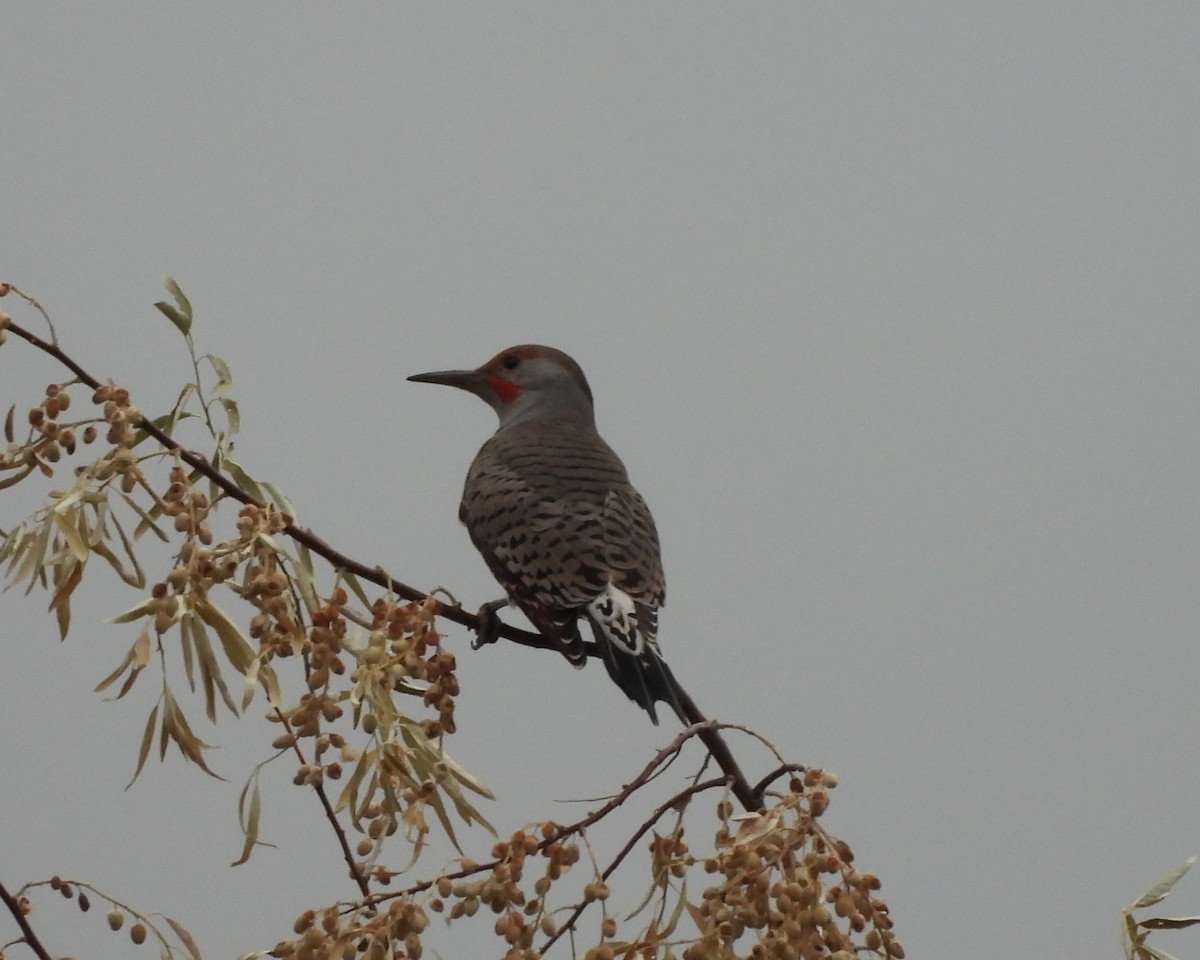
[[646, 679]]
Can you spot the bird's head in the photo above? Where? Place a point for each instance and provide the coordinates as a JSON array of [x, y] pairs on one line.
[[523, 381]]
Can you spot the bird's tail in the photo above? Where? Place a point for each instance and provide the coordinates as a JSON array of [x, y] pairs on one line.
[[645, 677]]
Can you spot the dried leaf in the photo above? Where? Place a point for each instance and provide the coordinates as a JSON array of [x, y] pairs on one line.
[[210, 672], [237, 648], [35, 554], [249, 820], [149, 518], [16, 478], [1170, 923], [141, 649], [1147, 952], [177, 728], [143, 609], [185, 938], [224, 377], [61, 601], [260, 672], [147, 739], [108, 681], [349, 795], [188, 646]]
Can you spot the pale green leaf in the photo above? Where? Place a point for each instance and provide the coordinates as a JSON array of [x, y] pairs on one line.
[[243, 479], [224, 377], [277, 497], [232, 415], [1144, 950], [180, 313], [182, 323], [356, 588], [1161, 889]]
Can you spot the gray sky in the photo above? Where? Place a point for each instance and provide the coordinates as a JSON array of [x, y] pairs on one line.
[[891, 313]]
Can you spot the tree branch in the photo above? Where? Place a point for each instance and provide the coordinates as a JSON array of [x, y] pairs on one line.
[[750, 798], [28, 936], [629, 845], [648, 772]]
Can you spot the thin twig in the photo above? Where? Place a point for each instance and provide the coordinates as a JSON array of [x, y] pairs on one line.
[[330, 815], [648, 772], [760, 788], [629, 845]]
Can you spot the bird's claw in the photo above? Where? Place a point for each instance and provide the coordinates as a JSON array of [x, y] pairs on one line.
[[488, 630]]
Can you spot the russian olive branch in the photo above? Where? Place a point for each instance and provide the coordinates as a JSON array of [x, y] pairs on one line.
[[356, 874], [709, 734], [649, 772]]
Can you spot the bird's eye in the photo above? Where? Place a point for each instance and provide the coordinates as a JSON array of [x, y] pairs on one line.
[[512, 361]]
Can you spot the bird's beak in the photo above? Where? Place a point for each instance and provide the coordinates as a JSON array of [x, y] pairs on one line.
[[469, 380]]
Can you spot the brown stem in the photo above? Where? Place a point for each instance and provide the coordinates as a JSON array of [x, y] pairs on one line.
[[27, 935], [662, 808], [330, 815], [648, 772]]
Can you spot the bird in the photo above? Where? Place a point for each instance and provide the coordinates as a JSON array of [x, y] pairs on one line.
[[549, 506]]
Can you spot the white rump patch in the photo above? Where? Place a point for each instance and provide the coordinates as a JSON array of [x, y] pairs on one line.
[[615, 614]]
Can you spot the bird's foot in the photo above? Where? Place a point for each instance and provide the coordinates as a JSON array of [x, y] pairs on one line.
[[490, 623]]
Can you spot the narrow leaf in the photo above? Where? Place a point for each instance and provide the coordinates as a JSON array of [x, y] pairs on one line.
[[356, 588], [237, 648], [185, 938], [244, 480], [250, 821], [182, 308], [66, 523], [147, 739], [1170, 923], [108, 681], [16, 478], [232, 416], [182, 323], [1153, 953], [148, 519], [277, 497], [210, 672], [134, 613], [224, 377], [1161, 889]]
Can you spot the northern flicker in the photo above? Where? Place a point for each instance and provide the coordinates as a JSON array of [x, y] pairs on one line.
[[551, 508]]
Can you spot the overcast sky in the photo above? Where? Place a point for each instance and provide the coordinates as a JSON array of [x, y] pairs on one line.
[[892, 311]]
